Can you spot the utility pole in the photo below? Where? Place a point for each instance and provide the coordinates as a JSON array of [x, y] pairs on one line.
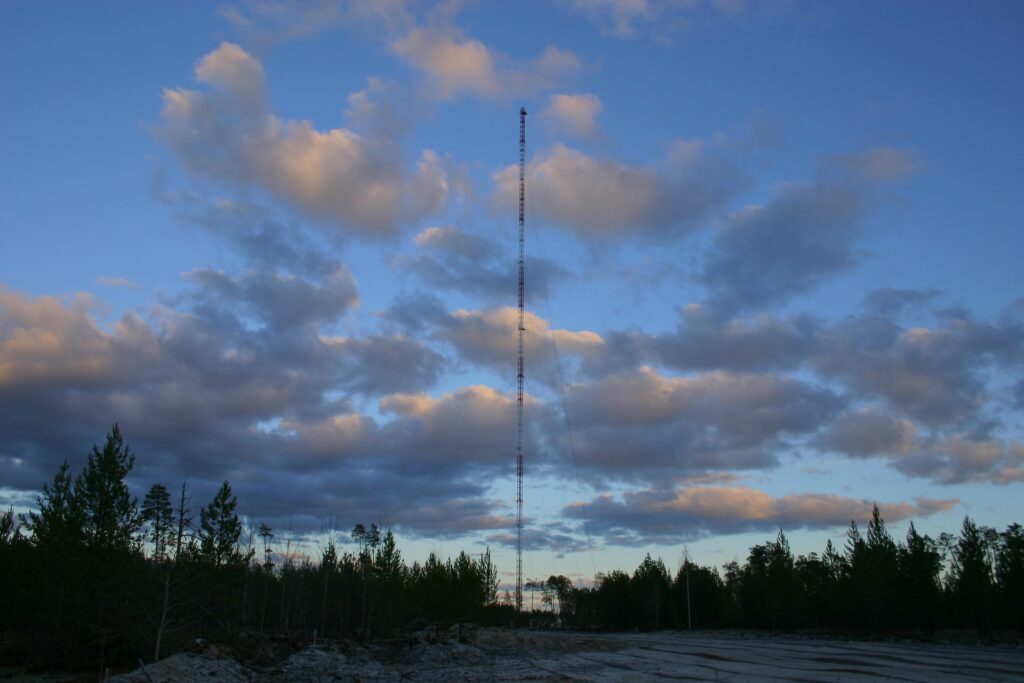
[[519, 375], [686, 564]]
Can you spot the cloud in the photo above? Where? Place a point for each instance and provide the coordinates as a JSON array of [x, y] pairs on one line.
[[545, 539], [706, 340], [644, 426], [226, 133], [279, 301], [892, 303], [607, 198], [626, 19], [958, 459], [455, 65], [45, 341], [931, 374], [265, 24], [383, 109], [689, 513], [197, 389], [869, 431], [451, 258], [384, 364], [575, 114], [878, 165], [488, 337], [253, 232], [764, 255]]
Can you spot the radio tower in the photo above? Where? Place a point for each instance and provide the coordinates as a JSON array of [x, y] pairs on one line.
[[519, 375]]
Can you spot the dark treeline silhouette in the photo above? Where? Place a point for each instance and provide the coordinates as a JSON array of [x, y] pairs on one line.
[[93, 579], [874, 585]]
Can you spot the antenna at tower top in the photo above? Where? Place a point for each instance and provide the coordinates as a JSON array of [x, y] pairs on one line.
[[519, 375]]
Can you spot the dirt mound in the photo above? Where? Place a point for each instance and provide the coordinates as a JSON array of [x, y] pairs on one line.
[[186, 668]]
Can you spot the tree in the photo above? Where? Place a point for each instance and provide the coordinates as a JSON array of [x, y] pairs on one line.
[[178, 530], [110, 516], [971, 576], [157, 513], [220, 529], [919, 566], [59, 520], [266, 533], [1010, 574], [879, 576]]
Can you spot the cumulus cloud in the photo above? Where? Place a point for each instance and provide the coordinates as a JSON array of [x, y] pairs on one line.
[[892, 303], [488, 337], [575, 114], [930, 373], [381, 364], [451, 258], [958, 459], [674, 515], [255, 233], [455, 65], [763, 255], [645, 426], [707, 340], [279, 301], [201, 390], [606, 198], [227, 133], [869, 431], [46, 341]]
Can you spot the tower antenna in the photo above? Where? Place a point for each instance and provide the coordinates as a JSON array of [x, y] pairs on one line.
[[519, 375]]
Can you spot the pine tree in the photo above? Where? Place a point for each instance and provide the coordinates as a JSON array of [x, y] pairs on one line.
[[220, 529], [1010, 575], [919, 566], [156, 511], [972, 576], [111, 520]]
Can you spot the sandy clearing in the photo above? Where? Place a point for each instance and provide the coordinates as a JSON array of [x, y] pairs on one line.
[[501, 655]]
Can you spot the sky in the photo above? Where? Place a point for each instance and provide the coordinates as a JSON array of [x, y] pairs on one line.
[[772, 270]]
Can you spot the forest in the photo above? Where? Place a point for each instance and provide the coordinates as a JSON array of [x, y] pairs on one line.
[[93, 579]]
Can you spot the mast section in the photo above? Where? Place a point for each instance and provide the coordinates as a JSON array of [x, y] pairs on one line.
[[519, 375]]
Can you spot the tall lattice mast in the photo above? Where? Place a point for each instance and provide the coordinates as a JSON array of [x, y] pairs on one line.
[[519, 375]]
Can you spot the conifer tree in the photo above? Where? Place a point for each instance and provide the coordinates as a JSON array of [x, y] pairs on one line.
[[110, 513], [220, 529], [157, 513]]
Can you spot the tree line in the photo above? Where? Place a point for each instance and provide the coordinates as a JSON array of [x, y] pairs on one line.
[[874, 585], [93, 579]]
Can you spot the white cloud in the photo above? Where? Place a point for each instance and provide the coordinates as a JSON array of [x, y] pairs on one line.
[[337, 175], [606, 198], [455, 65], [574, 113], [488, 337]]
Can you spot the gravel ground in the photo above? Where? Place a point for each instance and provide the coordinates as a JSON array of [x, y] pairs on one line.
[[499, 655]]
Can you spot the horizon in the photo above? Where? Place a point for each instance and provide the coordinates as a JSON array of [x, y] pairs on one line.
[[771, 267]]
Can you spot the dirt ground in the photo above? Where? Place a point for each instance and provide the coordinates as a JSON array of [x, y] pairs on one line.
[[502, 655]]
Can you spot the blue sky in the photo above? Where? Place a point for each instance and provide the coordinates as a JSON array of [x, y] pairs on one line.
[[275, 241]]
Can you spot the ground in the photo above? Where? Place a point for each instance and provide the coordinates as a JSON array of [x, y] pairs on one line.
[[502, 655]]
